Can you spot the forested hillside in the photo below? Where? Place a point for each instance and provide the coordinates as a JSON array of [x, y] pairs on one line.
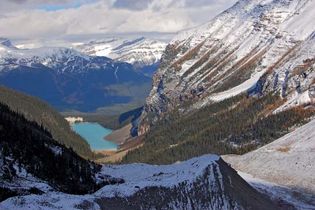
[[236, 125], [28, 150], [43, 114]]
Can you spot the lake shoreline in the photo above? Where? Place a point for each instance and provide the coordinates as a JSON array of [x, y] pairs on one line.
[[94, 134]]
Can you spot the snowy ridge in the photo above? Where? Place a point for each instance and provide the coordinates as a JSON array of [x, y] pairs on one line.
[[40, 53], [140, 52], [144, 175], [230, 54], [58, 58], [63, 58], [23, 180], [207, 181]]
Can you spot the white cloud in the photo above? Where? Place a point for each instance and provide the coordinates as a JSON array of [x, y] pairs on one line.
[[27, 21]]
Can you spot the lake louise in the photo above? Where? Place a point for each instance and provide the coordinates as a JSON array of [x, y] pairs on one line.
[[94, 134], [157, 104]]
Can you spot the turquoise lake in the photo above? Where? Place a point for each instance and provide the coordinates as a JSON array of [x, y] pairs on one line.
[[94, 134]]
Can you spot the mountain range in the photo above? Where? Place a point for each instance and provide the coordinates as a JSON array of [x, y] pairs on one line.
[[70, 80]]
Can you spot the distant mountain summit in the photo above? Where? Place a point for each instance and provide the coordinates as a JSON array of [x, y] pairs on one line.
[[143, 53]]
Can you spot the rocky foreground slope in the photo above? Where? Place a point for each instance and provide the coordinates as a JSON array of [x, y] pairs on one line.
[[206, 182], [259, 46]]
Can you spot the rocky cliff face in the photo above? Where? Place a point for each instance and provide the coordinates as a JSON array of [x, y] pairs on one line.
[[258, 46]]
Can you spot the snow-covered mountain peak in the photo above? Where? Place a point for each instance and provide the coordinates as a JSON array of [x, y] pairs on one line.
[[42, 52], [291, 16], [141, 51], [144, 54], [64, 59]]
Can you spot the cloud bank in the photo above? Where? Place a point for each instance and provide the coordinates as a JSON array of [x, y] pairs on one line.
[[52, 19]]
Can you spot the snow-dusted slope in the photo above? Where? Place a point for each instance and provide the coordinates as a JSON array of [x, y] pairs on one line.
[[140, 52], [287, 161], [293, 197], [270, 41], [206, 182]]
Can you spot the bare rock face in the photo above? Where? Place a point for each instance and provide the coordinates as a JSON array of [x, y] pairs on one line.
[[257, 46]]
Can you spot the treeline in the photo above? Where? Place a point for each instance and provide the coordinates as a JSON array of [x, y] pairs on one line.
[[26, 145], [236, 125], [40, 112]]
